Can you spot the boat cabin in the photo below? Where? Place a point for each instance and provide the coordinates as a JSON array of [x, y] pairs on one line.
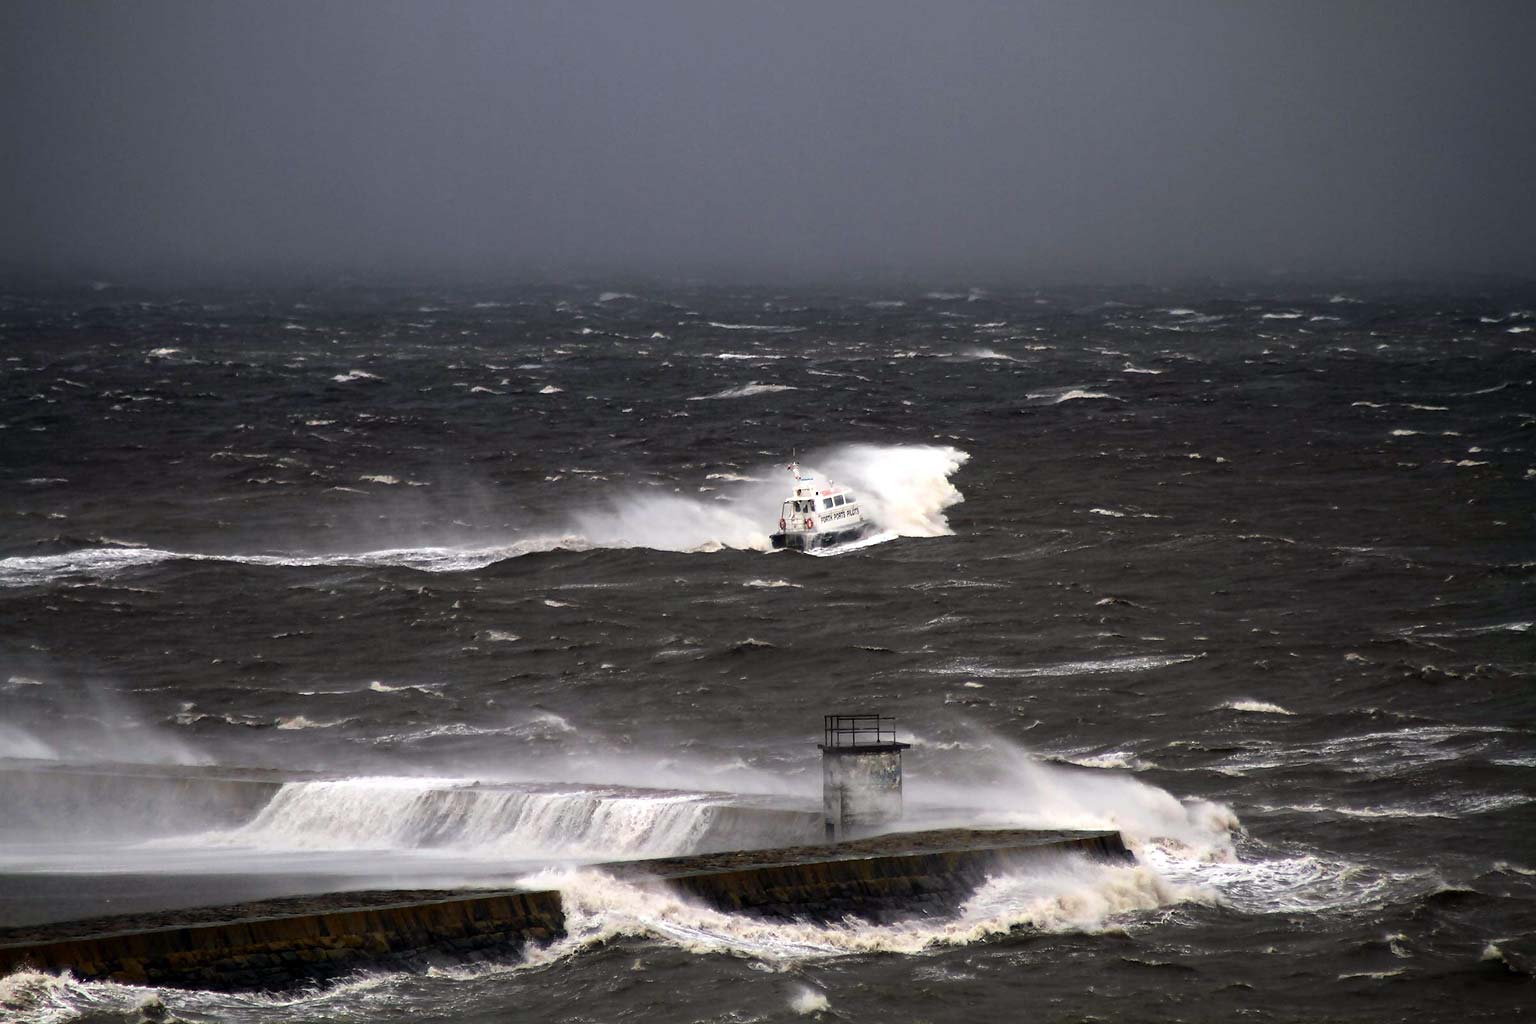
[[818, 505]]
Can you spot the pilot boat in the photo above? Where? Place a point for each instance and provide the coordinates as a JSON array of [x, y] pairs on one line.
[[818, 514]]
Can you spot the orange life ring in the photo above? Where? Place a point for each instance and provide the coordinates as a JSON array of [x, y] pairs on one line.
[[810, 524], [781, 526]]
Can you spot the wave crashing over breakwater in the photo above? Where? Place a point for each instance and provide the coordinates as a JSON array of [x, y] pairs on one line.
[[453, 816]]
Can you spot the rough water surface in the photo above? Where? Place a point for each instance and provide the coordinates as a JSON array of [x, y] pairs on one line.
[[486, 576]]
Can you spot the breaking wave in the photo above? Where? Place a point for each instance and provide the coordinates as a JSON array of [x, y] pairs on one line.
[[1064, 894], [1257, 707], [745, 391], [1104, 666], [1186, 844], [1058, 895], [1055, 396]]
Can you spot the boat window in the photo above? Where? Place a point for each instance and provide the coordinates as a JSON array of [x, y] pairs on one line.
[[839, 499], [826, 502]]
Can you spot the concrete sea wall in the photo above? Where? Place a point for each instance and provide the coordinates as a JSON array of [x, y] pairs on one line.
[[885, 888], [283, 943], [287, 951]]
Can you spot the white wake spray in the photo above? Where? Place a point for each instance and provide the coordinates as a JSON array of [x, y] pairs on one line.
[[905, 490]]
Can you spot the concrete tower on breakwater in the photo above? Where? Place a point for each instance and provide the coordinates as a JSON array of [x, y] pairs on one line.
[[860, 774]]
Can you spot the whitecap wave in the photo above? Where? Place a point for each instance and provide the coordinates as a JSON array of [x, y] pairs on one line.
[[293, 722], [1122, 760], [1457, 807], [745, 391], [782, 328], [1101, 666], [1056, 396], [1301, 884], [32, 570], [1256, 707]]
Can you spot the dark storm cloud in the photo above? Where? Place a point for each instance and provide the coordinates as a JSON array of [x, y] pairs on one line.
[[793, 139]]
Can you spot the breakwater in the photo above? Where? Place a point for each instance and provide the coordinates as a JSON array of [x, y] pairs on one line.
[[287, 942]]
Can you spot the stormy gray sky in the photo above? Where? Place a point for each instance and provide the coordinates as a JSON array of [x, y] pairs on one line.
[[1097, 139]]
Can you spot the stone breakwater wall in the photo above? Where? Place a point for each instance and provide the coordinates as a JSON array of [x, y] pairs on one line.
[[283, 943], [878, 889], [284, 952]]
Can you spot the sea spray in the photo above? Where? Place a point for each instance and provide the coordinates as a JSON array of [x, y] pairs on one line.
[[807, 1001], [666, 522], [999, 784], [1068, 893], [904, 489], [455, 817], [1187, 843]]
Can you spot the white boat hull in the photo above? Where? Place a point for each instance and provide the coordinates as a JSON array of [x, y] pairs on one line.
[[815, 540]]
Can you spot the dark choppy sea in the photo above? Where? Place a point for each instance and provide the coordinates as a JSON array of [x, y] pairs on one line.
[[1246, 574]]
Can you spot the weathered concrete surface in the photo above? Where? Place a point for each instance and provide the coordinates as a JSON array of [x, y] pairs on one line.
[[279, 943], [860, 788]]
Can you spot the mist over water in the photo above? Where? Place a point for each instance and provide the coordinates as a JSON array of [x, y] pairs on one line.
[[367, 589]]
